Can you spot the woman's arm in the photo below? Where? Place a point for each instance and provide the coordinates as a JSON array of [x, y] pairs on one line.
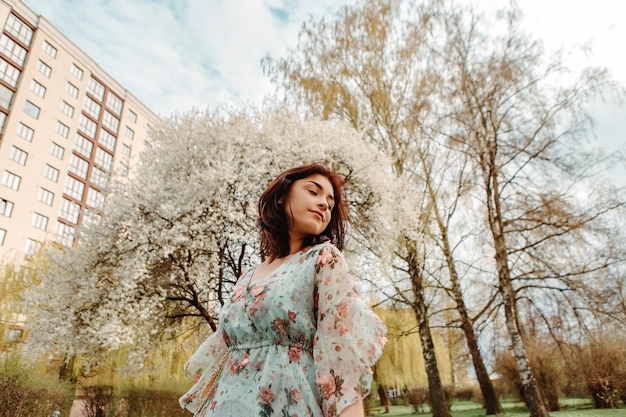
[[353, 410]]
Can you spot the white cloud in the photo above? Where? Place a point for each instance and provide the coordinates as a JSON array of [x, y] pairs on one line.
[[178, 54]]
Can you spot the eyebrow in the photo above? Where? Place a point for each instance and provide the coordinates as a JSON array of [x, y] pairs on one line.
[[332, 197]]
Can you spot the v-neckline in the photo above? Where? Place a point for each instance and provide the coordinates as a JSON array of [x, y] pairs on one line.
[[278, 268]]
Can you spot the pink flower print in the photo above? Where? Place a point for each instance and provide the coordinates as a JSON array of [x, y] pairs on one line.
[[327, 385], [259, 298], [257, 290], [324, 257], [296, 395], [244, 361], [258, 366], [292, 316], [213, 405], [342, 310], [279, 326], [265, 395], [341, 327], [237, 295], [253, 311], [234, 367], [294, 353]]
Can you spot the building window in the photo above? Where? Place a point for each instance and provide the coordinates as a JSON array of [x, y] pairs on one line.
[[83, 146], [91, 108], [125, 150], [14, 335], [71, 89], [11, 180], [132, 116], [122, 169], [79, 166], [69, 211], [38, 89], [107, 140], [76, 71], [43, 68], [9, 73], [31, 110], [18, 155], [12, 50], [49, 49], [114, 104], [6, 97], [3, 118], [87, 126], [39, 222], [45, 196], [32, 246], [67, 109], [99, 178], [19, 29], [57, 151], [110, 122], [6, 207], [103, 159], [74, 188], [51, 173], [3, 234], [95, 89], [130, 133], [62, 129], [95, 199], [64, 234], [25, 132]]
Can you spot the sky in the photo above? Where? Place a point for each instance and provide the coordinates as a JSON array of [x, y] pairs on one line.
[[175, 55]]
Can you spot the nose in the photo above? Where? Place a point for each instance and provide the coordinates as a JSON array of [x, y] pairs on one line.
[[324, 205]]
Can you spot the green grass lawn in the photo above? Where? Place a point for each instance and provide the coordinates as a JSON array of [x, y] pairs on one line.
[[570, 408]]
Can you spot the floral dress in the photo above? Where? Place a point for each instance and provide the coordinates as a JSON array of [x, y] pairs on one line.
[[299, 342]]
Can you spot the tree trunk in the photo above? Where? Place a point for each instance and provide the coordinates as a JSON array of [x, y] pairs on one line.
[[384, 399], [492, 403], [437, 399], [532, 395]]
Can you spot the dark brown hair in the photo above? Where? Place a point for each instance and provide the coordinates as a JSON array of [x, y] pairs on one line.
[[273, 221]]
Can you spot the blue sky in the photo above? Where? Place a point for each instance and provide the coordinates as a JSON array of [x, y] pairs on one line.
[[178, 54]]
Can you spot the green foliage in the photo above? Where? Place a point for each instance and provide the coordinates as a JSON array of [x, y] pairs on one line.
[[23, 395]]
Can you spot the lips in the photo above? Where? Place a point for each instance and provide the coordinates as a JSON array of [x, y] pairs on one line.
[[320, 215]]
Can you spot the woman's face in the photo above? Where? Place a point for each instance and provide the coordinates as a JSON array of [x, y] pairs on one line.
[[309, 205]]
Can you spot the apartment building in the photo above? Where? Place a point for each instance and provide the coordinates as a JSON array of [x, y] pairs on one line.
[[66, 129]]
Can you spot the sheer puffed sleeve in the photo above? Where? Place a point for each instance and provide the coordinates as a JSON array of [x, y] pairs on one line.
[[349, 338], [199, 369]]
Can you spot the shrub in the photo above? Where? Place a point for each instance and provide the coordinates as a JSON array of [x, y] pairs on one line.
[[464, 393], [97, 400], [548, 370], [154, 403], [21, 396], [417, 397], [601, 365]]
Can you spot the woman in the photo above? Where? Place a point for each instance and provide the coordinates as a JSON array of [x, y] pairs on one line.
[[295, 339]]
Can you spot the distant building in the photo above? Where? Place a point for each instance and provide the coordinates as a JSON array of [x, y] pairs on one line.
[[66, 128]]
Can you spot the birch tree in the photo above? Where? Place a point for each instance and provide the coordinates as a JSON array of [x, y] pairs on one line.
[[420, 78], [370, 65]]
